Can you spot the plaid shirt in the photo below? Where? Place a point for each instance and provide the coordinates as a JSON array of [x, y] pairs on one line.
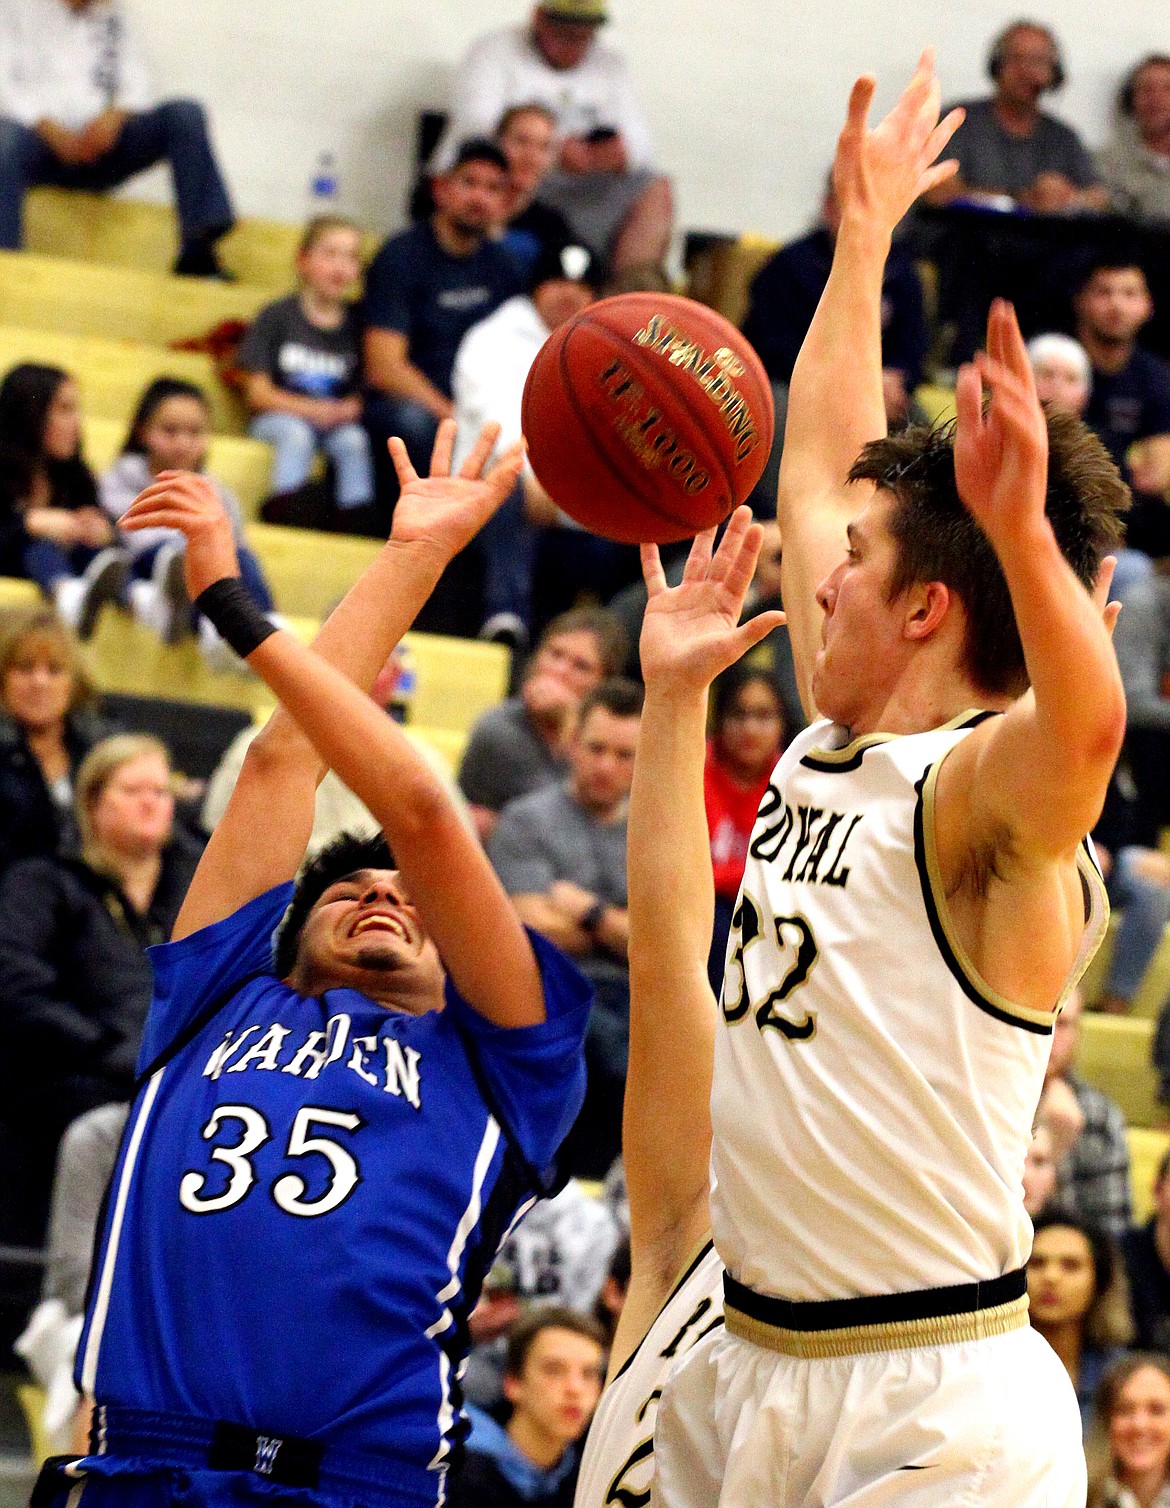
[[1093, 1180]]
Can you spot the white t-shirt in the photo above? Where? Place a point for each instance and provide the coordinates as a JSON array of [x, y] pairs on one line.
[[505, 69], [67, 66]]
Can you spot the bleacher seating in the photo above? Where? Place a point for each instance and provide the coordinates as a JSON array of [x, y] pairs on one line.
[[1146, 1151], [1115, 1056]]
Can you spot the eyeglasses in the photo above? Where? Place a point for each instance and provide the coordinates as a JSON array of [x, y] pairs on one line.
[[753, 715]]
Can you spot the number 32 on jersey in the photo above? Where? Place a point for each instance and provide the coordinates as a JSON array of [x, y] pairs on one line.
[[792, 956]]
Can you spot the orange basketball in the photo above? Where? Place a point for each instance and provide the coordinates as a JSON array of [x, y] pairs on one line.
[[648, 417]]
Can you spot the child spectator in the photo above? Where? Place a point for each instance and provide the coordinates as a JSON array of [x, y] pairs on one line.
[[51, 528], [170, 431], [302, 357]]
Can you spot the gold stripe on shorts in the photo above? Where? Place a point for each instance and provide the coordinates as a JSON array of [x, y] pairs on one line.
[[857, 1340]]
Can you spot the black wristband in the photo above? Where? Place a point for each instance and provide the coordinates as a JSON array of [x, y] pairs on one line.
[[231, 612], [592, 918]]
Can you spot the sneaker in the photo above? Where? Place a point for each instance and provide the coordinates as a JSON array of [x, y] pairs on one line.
[[217, 655], [508, 629], [80, 599], [177, 618], [147, 606]]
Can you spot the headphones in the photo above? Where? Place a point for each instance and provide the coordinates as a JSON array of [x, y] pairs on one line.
[[998, 54], [1126, 92]]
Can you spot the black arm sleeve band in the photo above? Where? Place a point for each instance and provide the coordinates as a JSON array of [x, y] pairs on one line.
[[230, 610]]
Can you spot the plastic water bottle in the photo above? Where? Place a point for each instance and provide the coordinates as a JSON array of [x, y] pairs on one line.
[[323, 186], [405, 685]]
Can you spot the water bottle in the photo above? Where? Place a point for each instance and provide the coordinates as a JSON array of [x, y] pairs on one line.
[[323, 186], [405, 685]]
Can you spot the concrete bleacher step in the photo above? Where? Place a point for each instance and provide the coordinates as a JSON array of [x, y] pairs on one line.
[[239, 463], [123, 303], [113, 373], [132, 233], [1115, 1056]]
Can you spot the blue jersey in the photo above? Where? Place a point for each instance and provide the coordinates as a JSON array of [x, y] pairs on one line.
[[309, 1195]]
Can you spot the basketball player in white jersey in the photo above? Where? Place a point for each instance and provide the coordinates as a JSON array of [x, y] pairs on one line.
[[918, 901], [675, 1295]]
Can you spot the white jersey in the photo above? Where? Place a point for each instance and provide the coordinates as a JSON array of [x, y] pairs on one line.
[[618, 1464], [873, 1097]]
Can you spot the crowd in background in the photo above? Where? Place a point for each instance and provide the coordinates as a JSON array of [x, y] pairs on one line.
[[541, 196]]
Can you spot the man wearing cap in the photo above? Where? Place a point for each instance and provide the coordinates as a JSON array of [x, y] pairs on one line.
[[425, 288], [491, 368], [604, 182]]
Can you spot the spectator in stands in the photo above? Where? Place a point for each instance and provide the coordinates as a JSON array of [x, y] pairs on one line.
[[615, 1290], [527, 136], [1142, 640], [75, 982], [782, 300], [1135, 166], [51, 527], [1009, 148], [171, 431], [747, 737], [1093, 1177], [1063, 372], [47, 727], [1077, 1300], [1146, 1250], [76, 109], [1039, 1171], [302, 356], [1133, 1405], [424, 290], [1139, 888], [553, 1377], [1129, 406], [604, 183], [491, 368], [521, 745], [561, 855]]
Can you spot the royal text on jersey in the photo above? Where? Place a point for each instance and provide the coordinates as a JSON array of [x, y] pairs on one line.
[[808, 841]]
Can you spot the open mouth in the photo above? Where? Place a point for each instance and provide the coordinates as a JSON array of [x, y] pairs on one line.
[[380, 922]]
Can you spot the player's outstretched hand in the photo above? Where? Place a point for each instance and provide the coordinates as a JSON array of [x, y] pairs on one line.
[[1001, 454], [445, 511], [188, 502], [878, 173], [692, 632]]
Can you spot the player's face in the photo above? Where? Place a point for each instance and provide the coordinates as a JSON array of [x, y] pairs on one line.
[[38, 685], [365, 933], [1114, 304], [1061, 1278], [529, 144], [1059, 383], [602, 759], [135, 808], [472, 197], [333, 264], [861, 637], [1139, 1427], [560, 1385]]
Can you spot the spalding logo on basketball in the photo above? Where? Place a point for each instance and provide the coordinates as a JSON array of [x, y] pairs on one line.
[[648, 417]]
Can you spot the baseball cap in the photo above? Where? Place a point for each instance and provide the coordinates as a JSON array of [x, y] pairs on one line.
[[590, 12], [572, 263]]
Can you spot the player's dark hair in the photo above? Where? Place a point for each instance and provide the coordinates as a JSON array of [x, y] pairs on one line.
[[344, 856], [619, 697], [154, 395], [606, 628], [728, 686], [1126, 93], [937, 539], [479, 149], [544, 1317]]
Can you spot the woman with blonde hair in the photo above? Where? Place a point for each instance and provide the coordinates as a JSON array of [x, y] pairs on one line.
[[1133, 1407], [47, 726]]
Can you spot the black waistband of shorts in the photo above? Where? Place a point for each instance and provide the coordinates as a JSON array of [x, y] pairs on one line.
[[881, 1309], [283, 1459]]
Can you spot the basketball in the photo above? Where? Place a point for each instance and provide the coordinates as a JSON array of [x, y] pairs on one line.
[[648, 417]]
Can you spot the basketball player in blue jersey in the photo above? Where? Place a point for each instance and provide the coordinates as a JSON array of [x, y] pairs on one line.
[[330, 1144], [918, 901]]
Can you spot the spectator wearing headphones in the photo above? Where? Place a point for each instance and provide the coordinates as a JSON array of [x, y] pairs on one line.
[[1008, 148], [1136, 164]]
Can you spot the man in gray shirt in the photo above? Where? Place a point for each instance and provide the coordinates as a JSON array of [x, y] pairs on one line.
[[561, 855], [1142, 641]]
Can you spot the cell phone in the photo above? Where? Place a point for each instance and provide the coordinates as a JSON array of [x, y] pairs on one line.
[[600, 135]]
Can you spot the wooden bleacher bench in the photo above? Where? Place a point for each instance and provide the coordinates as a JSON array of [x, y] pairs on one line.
[[1146, 1151], [113, 373], [242, 464], [1115, 1056]]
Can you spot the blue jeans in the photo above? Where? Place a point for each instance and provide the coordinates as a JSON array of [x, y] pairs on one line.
[[416, 426], [1145, 912], [296, 441], [507, 548], [175, 131], [46, 562], [251, 573]]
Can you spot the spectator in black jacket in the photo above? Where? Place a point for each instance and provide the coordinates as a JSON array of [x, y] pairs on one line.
[[1146, 1250], [75, 983], [47, 727], [552, 1379]]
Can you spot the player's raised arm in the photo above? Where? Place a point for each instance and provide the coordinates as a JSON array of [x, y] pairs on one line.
[[447, 874], [435, 517], [835, 403], [689, 635], [1038, 774]]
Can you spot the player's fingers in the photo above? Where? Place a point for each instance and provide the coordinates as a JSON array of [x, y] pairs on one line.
[[157, 518], [751, 633], [1110, 616], [502, 477], [652, 573], [732, 542], [740, 557], [477, 458], [1103, 582], [943, 132], [937, 174], [860, 99], [699, 560], [403, 465], [443, 449], [969, 399]]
